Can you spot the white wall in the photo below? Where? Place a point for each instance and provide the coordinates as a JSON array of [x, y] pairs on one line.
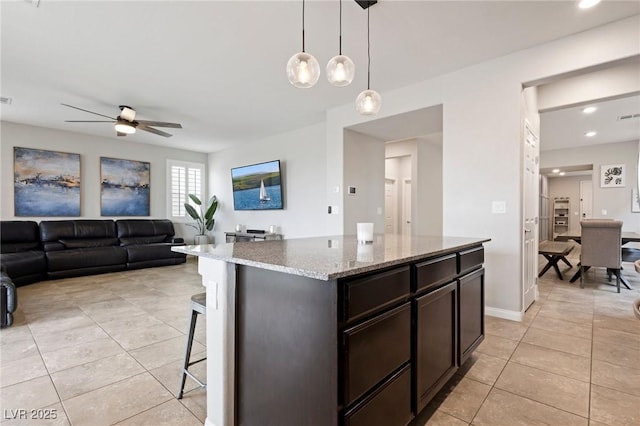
[[425, 156], [364, 169], [303, 165], [616, 201], [428, 209], [482, 153], [602, 84], [90, 148]]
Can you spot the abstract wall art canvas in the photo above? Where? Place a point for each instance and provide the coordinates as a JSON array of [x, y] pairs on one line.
[[46, 183], [612, 176], [124, 187]]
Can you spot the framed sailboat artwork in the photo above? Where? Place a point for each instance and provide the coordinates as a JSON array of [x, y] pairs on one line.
[[257, 186]]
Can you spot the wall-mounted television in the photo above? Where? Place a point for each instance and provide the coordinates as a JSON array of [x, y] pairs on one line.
[[257, 187]]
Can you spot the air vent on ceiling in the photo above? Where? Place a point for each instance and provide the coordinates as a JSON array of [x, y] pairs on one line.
[[628, 116], [35, 3], [4, 100]]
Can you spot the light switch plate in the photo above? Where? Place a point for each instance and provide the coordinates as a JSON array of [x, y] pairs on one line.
[[499, 207]]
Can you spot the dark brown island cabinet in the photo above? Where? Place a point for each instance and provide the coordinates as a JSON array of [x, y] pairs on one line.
[[366, 349]]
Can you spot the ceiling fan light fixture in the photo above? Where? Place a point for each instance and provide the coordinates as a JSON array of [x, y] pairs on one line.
[[126, 128]]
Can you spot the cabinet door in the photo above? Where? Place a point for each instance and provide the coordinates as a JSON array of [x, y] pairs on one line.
[[471, 293], [436, 341]]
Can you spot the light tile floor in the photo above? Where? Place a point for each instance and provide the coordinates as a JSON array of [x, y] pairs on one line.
[[107, 349], [103, 349], [574, 360]]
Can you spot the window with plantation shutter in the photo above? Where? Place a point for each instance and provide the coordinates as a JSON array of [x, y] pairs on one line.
[[183, 179]]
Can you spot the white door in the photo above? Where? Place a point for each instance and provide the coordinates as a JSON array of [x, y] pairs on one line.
[[530, 219], [406, 207], [390, 207], [586, 200]]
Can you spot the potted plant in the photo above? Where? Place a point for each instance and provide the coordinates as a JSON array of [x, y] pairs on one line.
[[204, 218]]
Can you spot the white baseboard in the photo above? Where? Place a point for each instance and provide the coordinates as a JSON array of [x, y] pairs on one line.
[[504, 314]]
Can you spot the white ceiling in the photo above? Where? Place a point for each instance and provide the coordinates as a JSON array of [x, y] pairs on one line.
[[217, 67], [566, 128]]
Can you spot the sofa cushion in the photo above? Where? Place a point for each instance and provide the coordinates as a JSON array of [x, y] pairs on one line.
[[127, 228], [143, 240], [55, 230], [88, 242], [142, 253], [86, 258], [24, 267], [18, 235]]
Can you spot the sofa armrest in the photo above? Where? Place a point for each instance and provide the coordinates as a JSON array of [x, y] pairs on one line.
[[177, 240]]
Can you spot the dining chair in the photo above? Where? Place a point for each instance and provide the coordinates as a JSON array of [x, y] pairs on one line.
[[601, 247]]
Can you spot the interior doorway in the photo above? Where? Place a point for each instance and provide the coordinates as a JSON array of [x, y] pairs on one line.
[[586, 199], [398, 194], [406, 208], [390, 206]]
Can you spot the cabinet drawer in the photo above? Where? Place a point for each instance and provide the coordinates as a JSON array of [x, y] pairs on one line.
[[369, 294], [389, 406], [374, 349], [470, 259], [434, 272]]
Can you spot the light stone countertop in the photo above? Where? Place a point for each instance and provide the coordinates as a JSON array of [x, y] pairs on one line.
[[329, 258]]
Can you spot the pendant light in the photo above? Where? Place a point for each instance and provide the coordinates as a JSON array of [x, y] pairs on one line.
[[340, 69], [303, 69], [368, 101]]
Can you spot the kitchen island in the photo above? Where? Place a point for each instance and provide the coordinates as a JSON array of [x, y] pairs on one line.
[[326, 331]]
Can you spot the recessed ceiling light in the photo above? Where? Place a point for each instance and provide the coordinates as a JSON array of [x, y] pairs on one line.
[[562, 173], [589, 109], [555, 170], [586, 4], [590, 134]]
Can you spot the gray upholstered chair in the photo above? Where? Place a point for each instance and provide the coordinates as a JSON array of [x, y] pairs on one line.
[[601, 247]]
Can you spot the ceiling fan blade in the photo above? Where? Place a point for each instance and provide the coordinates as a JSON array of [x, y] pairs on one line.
[[152, 130], [86, 110], [127, 113], [160, 124], [88, 121], [121, 134]]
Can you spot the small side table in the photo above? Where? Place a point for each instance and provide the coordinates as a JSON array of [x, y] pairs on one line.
[[554, 251]]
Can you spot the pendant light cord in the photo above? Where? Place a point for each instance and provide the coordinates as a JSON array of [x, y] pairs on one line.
[[368, 52], [303, 25], [340, 37]]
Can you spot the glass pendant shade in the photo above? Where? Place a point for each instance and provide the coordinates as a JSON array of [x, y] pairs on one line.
[[340, 71], [303, 70], [125, 128], [368, 102]]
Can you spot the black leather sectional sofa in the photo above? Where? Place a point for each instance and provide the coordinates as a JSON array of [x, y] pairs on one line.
[[69, 248]]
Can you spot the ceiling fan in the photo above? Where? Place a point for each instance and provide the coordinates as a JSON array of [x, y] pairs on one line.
[[126, 124]]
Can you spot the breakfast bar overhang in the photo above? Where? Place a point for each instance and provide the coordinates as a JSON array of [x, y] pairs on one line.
[[327, 331]]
